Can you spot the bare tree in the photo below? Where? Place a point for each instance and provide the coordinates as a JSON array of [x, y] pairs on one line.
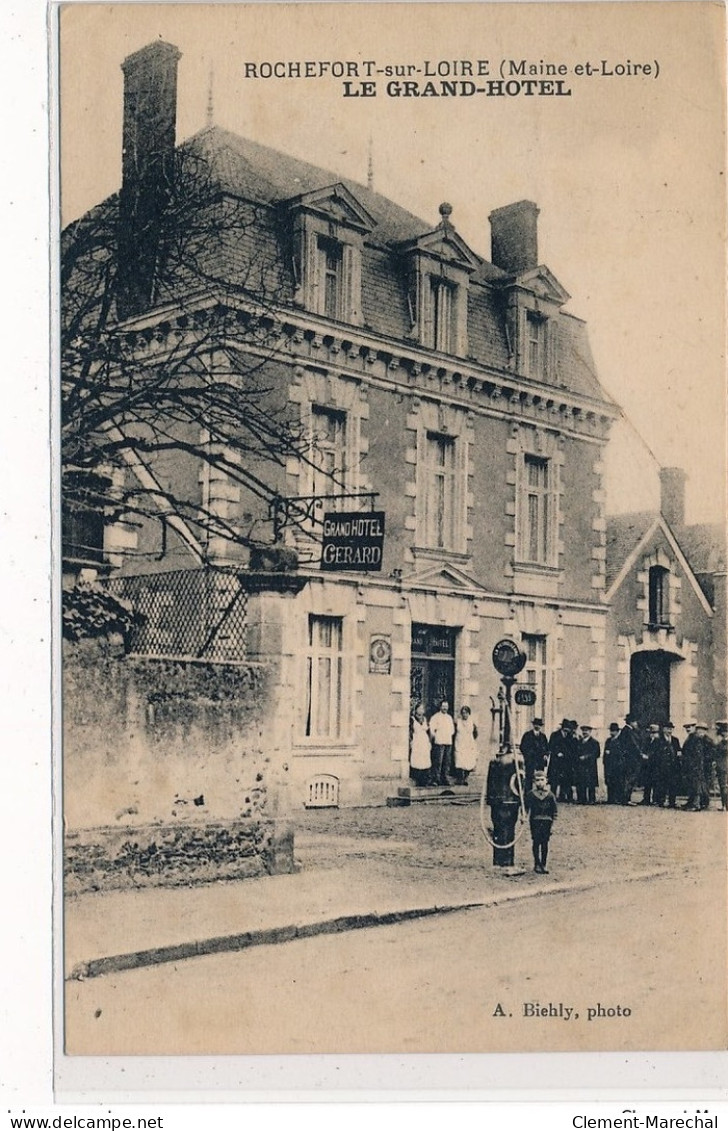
[[168, 353]]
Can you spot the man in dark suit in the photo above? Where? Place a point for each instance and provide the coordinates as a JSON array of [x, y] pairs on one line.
[[632, 758], [674, 764], [693, 767], [656, 767], [534, 751], [561, 762], [587, 770], [613, 768]]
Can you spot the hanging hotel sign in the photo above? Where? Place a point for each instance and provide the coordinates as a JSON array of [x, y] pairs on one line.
[[353, 540]]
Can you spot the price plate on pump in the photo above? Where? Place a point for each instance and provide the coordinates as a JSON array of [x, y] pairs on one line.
[[525, 697], [508, 659]]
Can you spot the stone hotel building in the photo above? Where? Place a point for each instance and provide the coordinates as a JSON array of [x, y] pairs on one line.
[[445, 389]]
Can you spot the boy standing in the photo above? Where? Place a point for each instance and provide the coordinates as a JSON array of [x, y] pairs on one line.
[[542, 809]]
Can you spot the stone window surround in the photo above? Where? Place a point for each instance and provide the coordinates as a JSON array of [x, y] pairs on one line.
[[330, 599], [311, 389], [525, 308], [428, 418], [673, 604], [425, 272], [312, 233], [547, 445]]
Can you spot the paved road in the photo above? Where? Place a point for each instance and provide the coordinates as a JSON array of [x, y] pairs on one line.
[[441, 984]]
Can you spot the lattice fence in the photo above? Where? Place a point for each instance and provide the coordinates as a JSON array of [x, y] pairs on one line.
[[200, 614]]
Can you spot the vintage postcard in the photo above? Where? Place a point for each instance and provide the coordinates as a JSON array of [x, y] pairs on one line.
[[392, 458]]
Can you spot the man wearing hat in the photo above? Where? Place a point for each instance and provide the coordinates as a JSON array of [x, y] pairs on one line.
[[631, 751], [708, 762], [613, 767], [534, 750], [561, 761], [693, 765], [587, 770], [656, 766], [721, 760], [674, 764]]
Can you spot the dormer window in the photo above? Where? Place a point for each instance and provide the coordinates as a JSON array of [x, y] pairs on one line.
[[439, 265], [328, 228]]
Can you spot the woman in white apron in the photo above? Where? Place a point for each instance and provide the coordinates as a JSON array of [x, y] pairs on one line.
[[466, 752], [420, 747]]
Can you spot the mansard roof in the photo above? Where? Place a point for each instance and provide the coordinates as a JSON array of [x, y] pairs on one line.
[[261, 175], [257, 172]]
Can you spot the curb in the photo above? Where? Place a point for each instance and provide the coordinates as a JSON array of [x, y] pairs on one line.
[[265, 937], [222, 944]]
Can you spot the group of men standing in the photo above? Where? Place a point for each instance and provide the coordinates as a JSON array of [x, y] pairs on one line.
[[570, 757], [650, 759], [654, 760]]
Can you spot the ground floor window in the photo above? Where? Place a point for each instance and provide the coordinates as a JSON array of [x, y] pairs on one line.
[[324, 677]]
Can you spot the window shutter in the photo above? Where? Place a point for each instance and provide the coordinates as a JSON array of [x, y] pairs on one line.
[[351, 267], [311, 271], [427, 311]]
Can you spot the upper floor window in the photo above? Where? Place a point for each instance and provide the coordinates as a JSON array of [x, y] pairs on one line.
[[536, 332], [537, 510], [443, 299], [440, 492], [659, 596], [328, 438], [330, 278]]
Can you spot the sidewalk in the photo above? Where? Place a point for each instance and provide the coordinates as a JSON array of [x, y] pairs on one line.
[[363, 867]]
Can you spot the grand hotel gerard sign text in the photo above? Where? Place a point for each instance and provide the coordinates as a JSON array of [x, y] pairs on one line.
[[353, 541]]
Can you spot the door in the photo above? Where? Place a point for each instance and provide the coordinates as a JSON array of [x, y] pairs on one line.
[[649, 687], [432, 671]]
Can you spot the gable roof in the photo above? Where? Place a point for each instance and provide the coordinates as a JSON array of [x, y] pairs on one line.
[[624, 533], [629, 534]]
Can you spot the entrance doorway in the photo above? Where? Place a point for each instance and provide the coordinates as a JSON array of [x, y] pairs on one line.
[[432, 672], [649, 687]]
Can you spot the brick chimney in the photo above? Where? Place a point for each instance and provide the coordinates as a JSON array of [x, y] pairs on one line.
[[514, 237], [150, 111], [672, 495]]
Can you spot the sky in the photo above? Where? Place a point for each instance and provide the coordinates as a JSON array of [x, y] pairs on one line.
[[627, 170]]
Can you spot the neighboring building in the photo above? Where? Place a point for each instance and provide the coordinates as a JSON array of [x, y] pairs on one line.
[[666, 587], [454, 389]]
